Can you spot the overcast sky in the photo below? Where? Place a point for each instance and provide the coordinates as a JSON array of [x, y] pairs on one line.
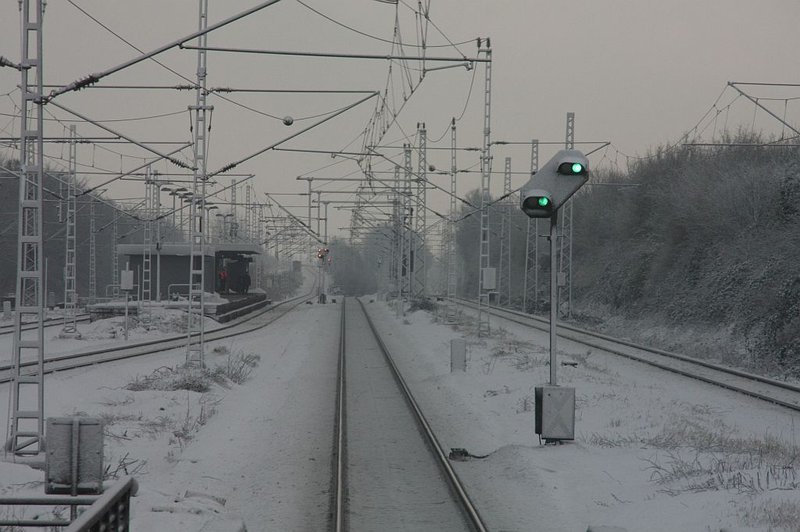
[[638, 73]]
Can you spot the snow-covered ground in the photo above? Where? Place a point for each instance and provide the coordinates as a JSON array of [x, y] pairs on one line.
[[164, 322], [653, 451]]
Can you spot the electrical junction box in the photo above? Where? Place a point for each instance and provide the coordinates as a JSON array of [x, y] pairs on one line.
[[489, 278], [458, 355], [126, 280], [555, 412], [74, 456]]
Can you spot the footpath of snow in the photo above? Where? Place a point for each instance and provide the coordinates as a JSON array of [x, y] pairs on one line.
[[653, 451]]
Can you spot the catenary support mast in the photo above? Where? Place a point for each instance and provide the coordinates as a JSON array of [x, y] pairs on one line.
[[505, 238], [419, 237], [486, 282], [451, 312], [70, 326], [565, 248], [530, 290], [195, 344], [27, 388]]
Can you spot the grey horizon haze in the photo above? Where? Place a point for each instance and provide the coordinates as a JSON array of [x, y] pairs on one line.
[[636, 73]]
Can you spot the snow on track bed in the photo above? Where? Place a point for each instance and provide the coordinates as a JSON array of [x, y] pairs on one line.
[[778, 392], [247, 323], [393, 481], [265, 452], [49, 322], [653, 450]]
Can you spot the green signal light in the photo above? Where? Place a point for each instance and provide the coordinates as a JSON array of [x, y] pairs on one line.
[[577, 168], [543, 202]]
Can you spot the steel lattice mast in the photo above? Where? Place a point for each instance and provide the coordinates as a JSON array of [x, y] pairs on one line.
[[505, 238], [27, 390], [485, 284], [70, 326], [420, 219], [92, 252], [451, 309], [399, 214], [151, 196], [115, 257], [195, 343], [565, 248], [408, 237], [530, 289], [234, 227]]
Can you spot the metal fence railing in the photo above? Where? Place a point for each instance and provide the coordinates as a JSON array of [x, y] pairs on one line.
[[109, 511]]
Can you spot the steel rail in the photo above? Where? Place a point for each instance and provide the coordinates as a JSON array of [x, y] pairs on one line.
[[577, 333], [99, 356], [50, 322], [340, 450], [469, 509]]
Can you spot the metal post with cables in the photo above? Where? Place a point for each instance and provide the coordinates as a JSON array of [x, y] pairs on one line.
[[565, 247], [486, 279], [195, 330], [505, 238], [419, 266], [26, 435], [92, 252], [530, 289], [451, 309], [408, 214], [70, 326]]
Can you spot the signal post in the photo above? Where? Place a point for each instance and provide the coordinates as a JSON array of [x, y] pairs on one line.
[[547, 190]]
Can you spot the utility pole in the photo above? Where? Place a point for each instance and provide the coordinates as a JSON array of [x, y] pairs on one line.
[[408, 214], [158, 222], [70, 326], [505, 238], [147, 249], [420, 268], [565, 248], [27, 391], [451, 309], [530, 289], [234, 229], [92, 252], [247, 212], [486, 277], [115, 257], [195, 330]]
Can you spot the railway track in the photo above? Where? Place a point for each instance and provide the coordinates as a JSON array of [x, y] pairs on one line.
[[779, 392], [389, 470], [50, 322], [248, 323]]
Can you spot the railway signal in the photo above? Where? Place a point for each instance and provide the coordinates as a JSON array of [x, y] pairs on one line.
[[547, 190], [551, 187]]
